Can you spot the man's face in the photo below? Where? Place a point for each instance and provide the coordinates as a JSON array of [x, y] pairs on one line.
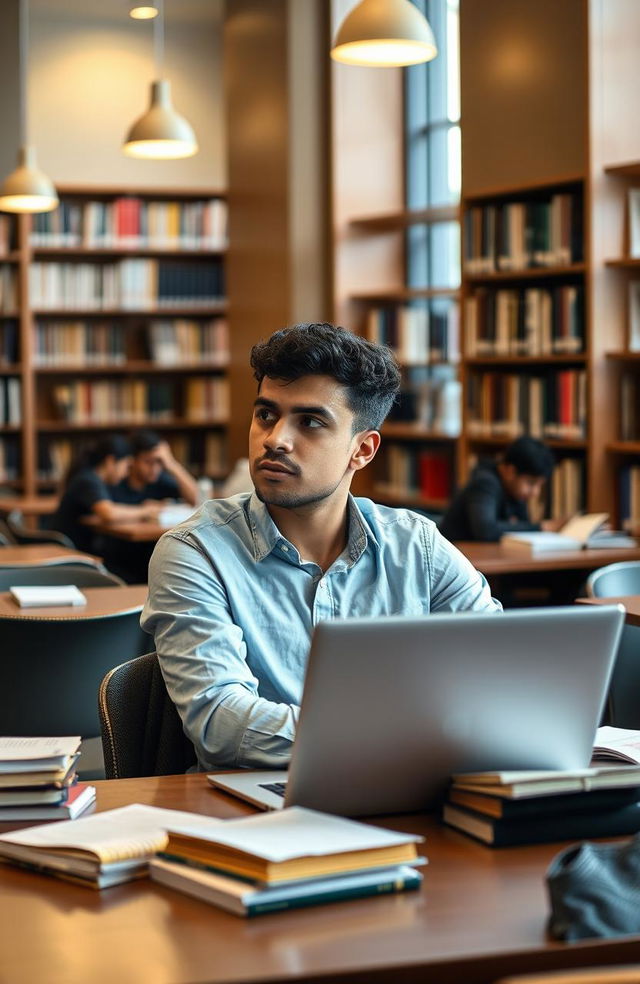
[[301, 440], [519, 486], [146, 467], [117, 468]]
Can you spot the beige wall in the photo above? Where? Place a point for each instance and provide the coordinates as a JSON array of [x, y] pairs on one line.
[[89, 71]]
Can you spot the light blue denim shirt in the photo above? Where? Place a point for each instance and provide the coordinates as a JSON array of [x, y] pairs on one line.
[[232, 607]]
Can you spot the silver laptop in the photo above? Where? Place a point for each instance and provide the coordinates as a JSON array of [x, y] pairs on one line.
[[393, 706]]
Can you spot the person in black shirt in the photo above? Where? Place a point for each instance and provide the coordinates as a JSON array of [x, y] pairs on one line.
[[87, 492], [494, 500], [154, 474]]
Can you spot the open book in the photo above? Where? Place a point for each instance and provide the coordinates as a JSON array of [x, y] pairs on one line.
[[617, 744], [578, 533], [48, 595]]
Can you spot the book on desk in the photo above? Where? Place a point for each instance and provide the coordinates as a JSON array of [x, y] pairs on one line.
[[579, 533]]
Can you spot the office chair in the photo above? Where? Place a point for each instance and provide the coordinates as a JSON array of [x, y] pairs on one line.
[[611, 581], [50, 675], [4, 540], [24, 536], [615, 580], [141, 729], [82, 575]]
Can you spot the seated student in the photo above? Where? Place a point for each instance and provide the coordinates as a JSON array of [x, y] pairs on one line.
[[154, 473], [235, 591], [87, 493], [494, 500]]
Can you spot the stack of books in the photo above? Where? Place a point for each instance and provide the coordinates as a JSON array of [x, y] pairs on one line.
[[287, 859], [38, 780], [533, 807]]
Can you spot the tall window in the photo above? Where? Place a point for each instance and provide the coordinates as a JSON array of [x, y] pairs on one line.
[[432, 152]]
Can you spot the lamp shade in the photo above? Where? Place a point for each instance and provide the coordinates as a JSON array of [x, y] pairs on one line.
[[27, 189], [161, 133], [384, 33], [143, 11]]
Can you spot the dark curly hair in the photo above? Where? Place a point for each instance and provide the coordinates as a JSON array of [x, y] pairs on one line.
[[369, 372]]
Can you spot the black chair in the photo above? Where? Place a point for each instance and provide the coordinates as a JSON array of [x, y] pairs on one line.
[[50, 674], [141, 729], [611, 581], [82, 575], [23, 536]]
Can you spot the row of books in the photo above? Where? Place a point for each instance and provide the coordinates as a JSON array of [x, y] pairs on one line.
[[542, 232], [133, 401], [203, 454], [129, 285], [505, 809], [531, 321], [39, 781], [7, 235], [550, 405], [410, 471], [95, 343], [10, 402], [433, 403], [9, 346], [8, 290], [249, 865], [9, 459], [566, 495], [630, 407], [630, 497], [128, 222], [418, 334]]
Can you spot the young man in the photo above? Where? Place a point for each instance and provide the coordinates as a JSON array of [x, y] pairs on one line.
[[235, 591], [494, 501], [154, 473]]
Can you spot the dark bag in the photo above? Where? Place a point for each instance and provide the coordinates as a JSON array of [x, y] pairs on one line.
[[594, 890]]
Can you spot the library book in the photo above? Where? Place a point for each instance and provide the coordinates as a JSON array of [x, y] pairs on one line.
[[578, 534]]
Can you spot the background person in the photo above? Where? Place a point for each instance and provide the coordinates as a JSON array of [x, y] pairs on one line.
[[495, 499], [154, 473]]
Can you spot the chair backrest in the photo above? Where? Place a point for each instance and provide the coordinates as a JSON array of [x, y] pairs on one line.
[[51, 668], [4, 540], [586, 975], [82, 575], [22, 535], [141, 729], [614, 580]]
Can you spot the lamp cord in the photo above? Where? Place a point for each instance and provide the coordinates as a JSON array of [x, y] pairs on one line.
[[23, 53], [158, 39]]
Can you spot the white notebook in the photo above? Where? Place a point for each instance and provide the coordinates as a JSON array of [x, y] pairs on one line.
[[48, 595]]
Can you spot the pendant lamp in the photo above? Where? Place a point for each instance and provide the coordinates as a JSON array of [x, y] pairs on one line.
[[143, 11], [387, 33], [27, 189], [161, 133]]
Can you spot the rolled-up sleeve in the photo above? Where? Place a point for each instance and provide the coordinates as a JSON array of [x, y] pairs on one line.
[[203, 657]]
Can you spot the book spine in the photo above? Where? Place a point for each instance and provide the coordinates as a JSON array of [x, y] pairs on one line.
[[405, 884]]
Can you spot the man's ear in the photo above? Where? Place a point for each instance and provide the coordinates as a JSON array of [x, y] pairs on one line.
[[367, 444]]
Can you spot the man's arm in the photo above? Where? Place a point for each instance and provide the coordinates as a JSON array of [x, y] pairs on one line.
[[482, 501], [187, 485], [456, 586], [202, 654]]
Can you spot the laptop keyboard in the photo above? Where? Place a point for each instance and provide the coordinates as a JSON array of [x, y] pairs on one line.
[[279, 788]]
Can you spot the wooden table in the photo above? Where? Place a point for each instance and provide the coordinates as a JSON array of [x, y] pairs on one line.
[[139, 531], [29, 505], [481, 914], [43, 553], [100, 601], [631, 605], [491, 559]]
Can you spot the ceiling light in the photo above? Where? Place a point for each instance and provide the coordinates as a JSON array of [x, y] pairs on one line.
[[387, 33], [26, 189], [160, 133], [143, 11]]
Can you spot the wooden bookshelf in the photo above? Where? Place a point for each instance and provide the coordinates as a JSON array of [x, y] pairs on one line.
[[98, 229]]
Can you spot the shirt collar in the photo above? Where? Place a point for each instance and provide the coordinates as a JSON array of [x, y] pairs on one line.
[[267, 536]]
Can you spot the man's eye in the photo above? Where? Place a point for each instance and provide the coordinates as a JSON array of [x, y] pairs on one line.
[[311, 422], [263, 414]]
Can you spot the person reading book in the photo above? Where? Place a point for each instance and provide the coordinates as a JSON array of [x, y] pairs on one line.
[[495, 499], [87, 492], [235, 591]]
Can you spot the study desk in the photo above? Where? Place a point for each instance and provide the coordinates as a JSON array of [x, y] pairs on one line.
[[136, 531], [492, 559], [29, 505], [110, 600], [631, 604], [480, 915], [43, 553]]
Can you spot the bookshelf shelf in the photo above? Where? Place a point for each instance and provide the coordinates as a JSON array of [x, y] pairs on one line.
[[392, 496], [405, 218], [525, 360], [63, 426], [12, 257], [108, 252], [528, 273], [552, 442], [624, 263], [130, 368], [405, 294], [624, 447], [10, 369], [414, 432], [624, 356], [160, 312]]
